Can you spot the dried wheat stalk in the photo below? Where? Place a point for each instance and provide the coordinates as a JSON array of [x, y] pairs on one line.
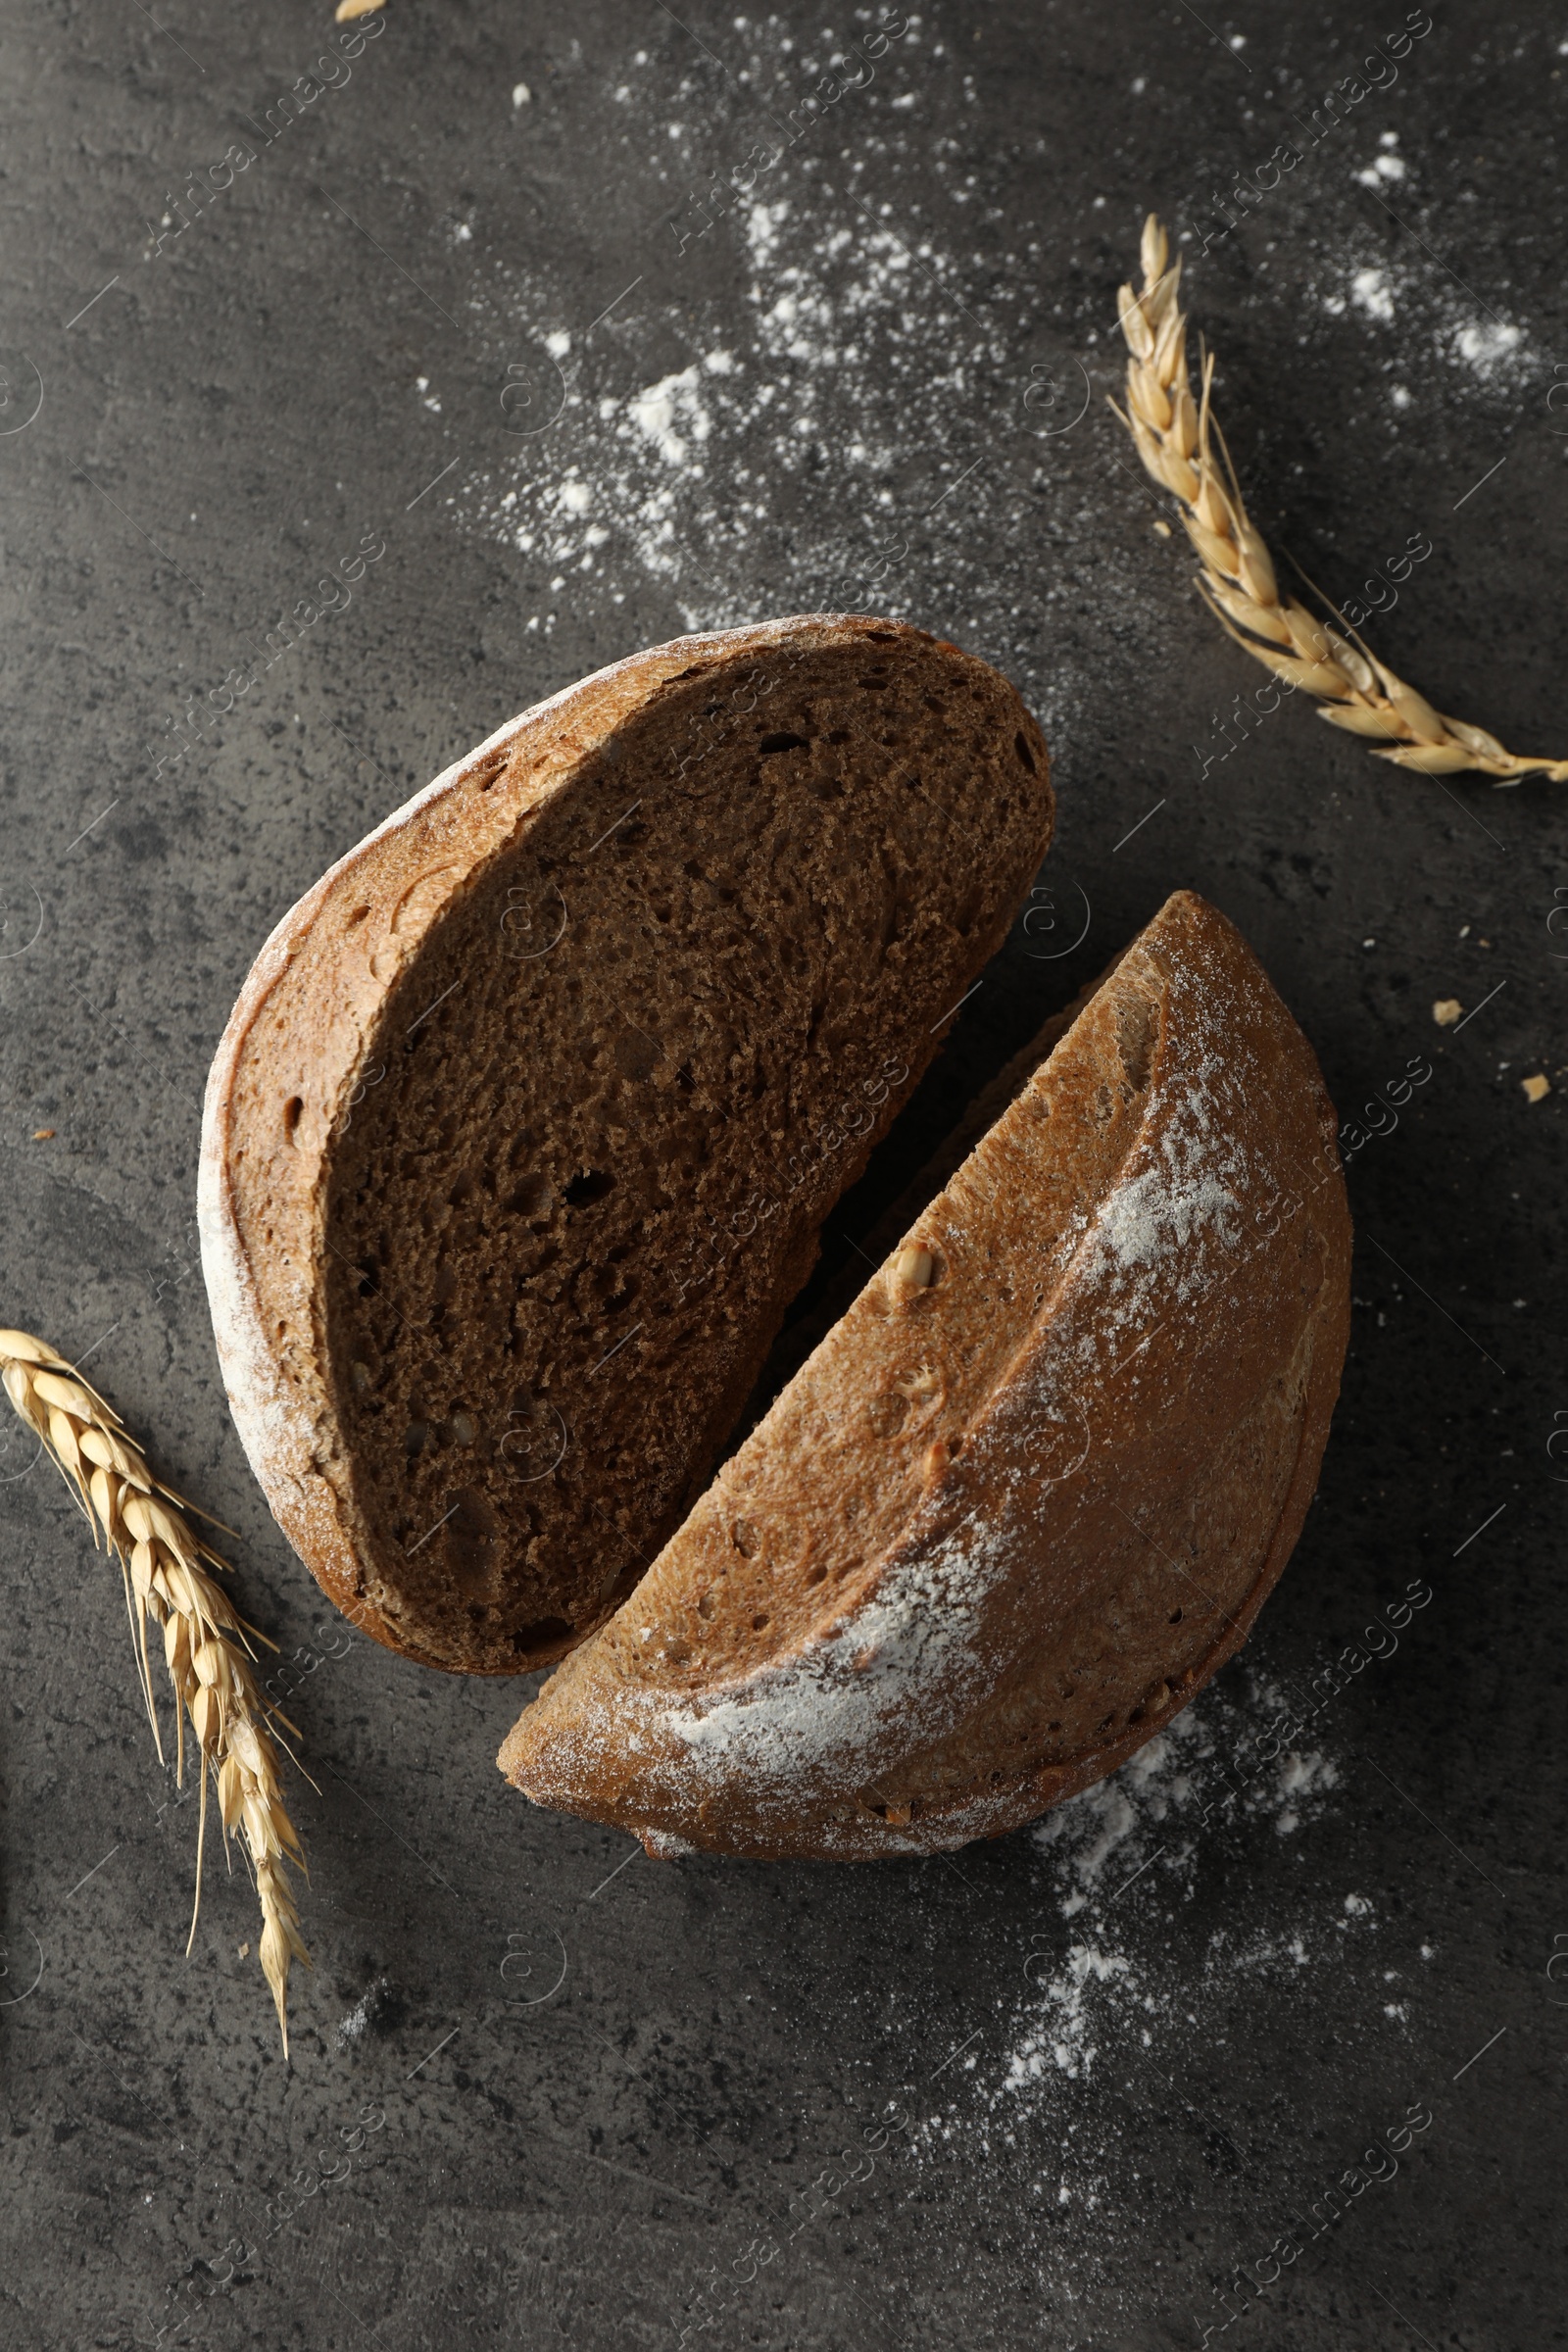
[[1175, 438], [164, 1568]]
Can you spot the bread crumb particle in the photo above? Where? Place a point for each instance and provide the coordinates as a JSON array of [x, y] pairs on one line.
[[1162, 529], [43, 1135], [1445, 1012], [1538, 1088]]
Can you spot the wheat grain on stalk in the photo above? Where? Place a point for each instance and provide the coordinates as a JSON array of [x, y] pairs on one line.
[[165, 1569], [1177, 438]]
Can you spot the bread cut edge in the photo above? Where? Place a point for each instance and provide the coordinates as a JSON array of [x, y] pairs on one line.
[[779, 1762], [287, 1436]]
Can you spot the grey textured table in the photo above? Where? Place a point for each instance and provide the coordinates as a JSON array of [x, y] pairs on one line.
[[427, 394]]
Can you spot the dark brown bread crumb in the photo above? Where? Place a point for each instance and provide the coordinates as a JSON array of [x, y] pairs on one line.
[[531, 1209]]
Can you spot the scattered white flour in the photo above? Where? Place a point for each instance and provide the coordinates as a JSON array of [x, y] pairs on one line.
[[1141, 1973], [812, 393], [1389, 166], [1123, 1849], [1148, 1817], [671, 416], [1305, 1777], [355, 2026], [1491, 350], [1137, 1975], [845, 347], [1059, 2037], [1489, 347], [1371, 292]]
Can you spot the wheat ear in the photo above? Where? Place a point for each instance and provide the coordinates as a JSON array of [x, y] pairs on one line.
[[1176, 439], [164, 1567]]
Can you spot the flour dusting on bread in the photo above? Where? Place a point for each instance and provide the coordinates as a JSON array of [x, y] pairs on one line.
[[904, 1661]]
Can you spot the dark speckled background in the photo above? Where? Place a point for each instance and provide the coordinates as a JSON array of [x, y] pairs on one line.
[[1095, 2084]]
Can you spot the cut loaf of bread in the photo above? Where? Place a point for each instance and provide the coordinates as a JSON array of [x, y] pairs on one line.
[[519, 1138], [1033, 1488]]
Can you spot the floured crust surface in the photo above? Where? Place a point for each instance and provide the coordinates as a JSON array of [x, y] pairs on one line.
[[420, 1249], [1003, 1523]]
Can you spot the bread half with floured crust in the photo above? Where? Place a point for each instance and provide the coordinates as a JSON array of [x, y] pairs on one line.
[[1032, 1490], [517, 1142]]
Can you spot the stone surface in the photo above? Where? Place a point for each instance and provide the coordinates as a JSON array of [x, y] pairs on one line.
[[1064, 2088]]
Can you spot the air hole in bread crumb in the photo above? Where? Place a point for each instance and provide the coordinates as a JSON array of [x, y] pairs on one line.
[[1174, 1618], [783, 743], [291, 1114], [1137, 1031], [1021, 746], [758, 1623], [358, 916], [887, 1416], [745, 1538], [591, 1186], [706, 1607], [543, 1631]]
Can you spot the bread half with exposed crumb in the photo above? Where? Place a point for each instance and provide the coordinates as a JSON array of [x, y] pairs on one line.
[[1032, 1489], [518, 1141]]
